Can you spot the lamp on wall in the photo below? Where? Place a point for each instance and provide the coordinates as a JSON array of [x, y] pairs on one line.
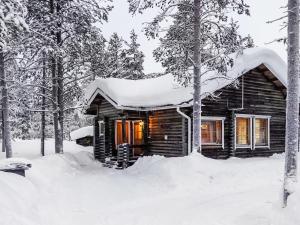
[[141, 123]]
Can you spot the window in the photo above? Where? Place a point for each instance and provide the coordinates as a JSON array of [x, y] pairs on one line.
[[101, 128], [261, 132], [252, 131], [138, 128], [212, 131], [243, 131], [119, 133]]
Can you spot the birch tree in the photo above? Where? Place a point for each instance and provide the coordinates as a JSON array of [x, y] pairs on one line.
[[203, 41], [292, 109]]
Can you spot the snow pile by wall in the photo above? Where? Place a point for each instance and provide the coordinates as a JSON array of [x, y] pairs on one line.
[[82, 132], [164, 91]]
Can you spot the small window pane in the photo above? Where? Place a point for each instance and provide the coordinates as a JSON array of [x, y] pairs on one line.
[[211, 132], [101, 128], [261, 132], [243, 131]]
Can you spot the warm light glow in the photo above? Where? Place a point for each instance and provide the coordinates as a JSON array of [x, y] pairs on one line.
[[243, 131], [204, 126], [211, 132]]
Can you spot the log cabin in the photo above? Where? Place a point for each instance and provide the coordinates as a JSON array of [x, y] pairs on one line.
[[243, 113]]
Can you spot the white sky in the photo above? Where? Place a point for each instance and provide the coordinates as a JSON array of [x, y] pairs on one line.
[[122, 22]]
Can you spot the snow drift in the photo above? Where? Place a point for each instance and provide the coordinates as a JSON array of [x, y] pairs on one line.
[[73, 189]]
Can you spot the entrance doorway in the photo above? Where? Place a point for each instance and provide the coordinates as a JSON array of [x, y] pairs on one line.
[[134, 135]]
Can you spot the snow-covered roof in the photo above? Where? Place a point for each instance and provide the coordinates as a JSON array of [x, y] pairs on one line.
[[162, 92], [82, 132]]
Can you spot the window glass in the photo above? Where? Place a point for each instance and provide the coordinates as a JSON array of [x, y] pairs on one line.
[[101, 128], [242, 131], [119, 135], [261, 131], [211, 132], [138, 137]]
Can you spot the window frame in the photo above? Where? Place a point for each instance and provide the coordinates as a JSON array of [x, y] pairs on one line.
[[268, 132], [252, 118], [250, 130], [214, 118], [115, 131], [101, 128]]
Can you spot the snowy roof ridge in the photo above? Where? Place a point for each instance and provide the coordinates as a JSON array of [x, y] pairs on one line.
[[164, 92]]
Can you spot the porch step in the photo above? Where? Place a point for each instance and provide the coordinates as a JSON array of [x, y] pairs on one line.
[[110, 163]]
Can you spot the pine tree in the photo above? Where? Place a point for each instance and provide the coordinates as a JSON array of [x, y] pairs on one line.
[[64, 31], [114, 54], [201, 37], [132, 60]]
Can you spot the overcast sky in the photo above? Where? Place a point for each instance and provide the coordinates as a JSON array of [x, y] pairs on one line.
[[122, 22]]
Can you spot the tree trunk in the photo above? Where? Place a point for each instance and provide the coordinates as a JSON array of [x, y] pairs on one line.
[[54, 99], [2, 131], [197, 79], [54, 87], [60, 93], [292, 109], [43, 116], [5, 109], [60, 104]]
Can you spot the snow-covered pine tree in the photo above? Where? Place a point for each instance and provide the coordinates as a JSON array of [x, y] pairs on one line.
[[201, 37], [292, 109], [11, 25], [65, 29], [113, 55], [132, 59]]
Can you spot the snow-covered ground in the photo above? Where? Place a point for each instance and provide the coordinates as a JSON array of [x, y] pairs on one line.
[[73, 189]]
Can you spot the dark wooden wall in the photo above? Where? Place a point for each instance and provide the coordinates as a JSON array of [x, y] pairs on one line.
[[167, 123], [85, 141], [261, 97]]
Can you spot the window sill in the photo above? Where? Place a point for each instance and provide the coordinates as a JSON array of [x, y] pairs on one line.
[[246, 146], [260, 147]]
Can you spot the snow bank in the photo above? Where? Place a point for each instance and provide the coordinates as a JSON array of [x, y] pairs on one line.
[[73, 189], [164, 91], [82, 132]]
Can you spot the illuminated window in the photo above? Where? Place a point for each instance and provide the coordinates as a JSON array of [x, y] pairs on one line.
[[252, 131], [261, 132], [211, 132], [138, 128], [119, 133], [243, 131]]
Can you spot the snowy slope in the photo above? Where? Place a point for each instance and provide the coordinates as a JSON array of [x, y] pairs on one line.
[[164, 91], [73, 189]]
